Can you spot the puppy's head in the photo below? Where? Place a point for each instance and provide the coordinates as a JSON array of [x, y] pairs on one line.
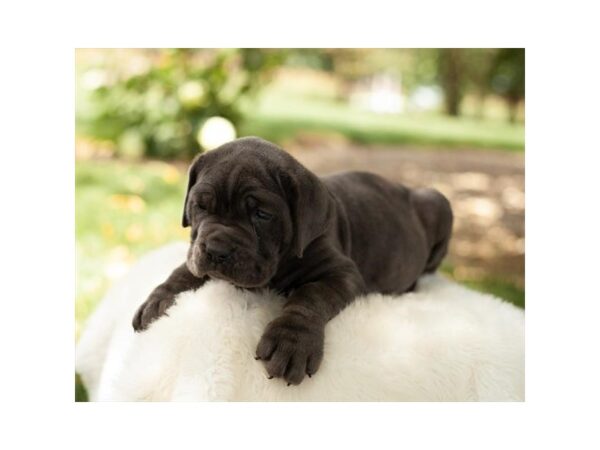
[[251, 205]]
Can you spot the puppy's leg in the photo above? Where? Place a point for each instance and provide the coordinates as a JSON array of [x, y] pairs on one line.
[[437, 254], [163, 296], [436, 216], [292, 344]]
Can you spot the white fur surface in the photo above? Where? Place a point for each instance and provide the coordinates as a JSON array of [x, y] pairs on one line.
[[441, 343]]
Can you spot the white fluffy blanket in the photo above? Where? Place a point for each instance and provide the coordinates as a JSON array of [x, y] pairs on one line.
[[441, 343]]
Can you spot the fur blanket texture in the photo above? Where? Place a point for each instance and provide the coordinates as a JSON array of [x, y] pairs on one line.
[[442, 342]]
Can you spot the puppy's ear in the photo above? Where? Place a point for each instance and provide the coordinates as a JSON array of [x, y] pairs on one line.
[[192, 178], [311, 207]]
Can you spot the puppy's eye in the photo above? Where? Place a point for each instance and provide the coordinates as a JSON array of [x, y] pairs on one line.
[[263, 215]]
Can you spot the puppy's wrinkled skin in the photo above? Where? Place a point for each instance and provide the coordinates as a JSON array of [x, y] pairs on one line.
[[260, 219]]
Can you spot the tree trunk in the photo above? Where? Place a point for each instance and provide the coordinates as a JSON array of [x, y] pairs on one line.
[[451, 79], [513, 110], [480, 110]]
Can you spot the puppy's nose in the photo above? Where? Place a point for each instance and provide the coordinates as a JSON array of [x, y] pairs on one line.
[[218, 251]]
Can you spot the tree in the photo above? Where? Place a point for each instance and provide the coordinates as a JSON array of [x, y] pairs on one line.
[[507, 77], [479, 65], [451, 78]]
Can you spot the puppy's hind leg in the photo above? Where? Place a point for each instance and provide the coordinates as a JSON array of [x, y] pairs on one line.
[[437, 254], [435, 213]]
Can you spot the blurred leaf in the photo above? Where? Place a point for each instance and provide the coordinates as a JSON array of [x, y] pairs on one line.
[[132, 203]]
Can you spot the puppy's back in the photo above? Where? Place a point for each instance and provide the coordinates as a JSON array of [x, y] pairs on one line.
[[388, 242]]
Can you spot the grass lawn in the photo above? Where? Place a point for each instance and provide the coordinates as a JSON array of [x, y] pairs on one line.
[[278, 115], [499, 288]]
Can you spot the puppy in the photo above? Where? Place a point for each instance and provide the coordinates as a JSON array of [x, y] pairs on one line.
[[260, 219]]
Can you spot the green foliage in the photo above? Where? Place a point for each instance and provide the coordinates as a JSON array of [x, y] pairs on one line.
[[314, 58], [156, 108], [81, 394], [507, 76]]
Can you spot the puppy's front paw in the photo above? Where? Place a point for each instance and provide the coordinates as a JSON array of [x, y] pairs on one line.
[[151, 309], [291, 347]]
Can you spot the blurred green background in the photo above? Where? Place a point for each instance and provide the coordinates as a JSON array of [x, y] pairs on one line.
[[449, 118]]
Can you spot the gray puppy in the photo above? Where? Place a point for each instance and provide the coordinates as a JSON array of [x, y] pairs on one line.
[[261, 219]]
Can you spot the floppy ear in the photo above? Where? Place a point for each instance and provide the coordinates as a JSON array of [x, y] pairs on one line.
[[311, 207], [192, 177]]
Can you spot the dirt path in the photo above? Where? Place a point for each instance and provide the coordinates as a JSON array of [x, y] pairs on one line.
[[486, 189]]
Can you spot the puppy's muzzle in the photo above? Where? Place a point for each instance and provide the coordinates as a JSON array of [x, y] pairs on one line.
[[217, 251]]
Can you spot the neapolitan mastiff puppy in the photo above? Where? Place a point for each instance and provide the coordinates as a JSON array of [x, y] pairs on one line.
[[260, 219]]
